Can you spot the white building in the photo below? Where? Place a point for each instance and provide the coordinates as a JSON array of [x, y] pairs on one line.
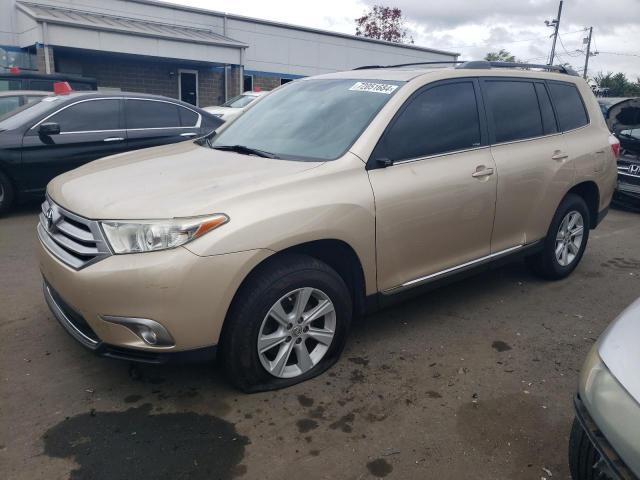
[[201, 56]]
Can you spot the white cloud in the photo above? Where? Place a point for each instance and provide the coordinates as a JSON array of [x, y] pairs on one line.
[[475, 27]]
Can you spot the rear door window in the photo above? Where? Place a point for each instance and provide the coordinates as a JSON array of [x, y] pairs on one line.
[[90, 115], [569, 106], [188, 118], [151, 114], [513, 106], [441, 119]]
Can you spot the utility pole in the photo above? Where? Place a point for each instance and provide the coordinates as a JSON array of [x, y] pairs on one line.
[[556, 24], [586, 58]]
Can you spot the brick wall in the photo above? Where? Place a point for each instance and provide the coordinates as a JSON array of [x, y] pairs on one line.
[[234, 73], [41, 60], [142, 75], [265, 83]]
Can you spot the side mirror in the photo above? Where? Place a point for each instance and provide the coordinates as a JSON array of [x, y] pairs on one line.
[[50, 128]]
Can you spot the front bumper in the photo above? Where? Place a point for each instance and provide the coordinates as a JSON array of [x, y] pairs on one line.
[[187, 294], [614, 415]]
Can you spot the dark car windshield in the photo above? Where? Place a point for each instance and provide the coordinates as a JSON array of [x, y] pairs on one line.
[[312, 119], [239, 101], [28, 112]]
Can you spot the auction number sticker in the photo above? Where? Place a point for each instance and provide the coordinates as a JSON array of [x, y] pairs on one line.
[[385, 88]]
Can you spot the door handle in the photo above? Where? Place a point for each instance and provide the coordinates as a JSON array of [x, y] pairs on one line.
[[559, 155], [113, 139], [188, 134], [482, 172]]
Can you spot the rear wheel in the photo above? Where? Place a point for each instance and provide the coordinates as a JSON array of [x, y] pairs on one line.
[[565, 242], [287, 324], [6, 194]]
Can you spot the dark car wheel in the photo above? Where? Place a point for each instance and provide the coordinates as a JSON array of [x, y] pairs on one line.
[[584, 459], [6, 194], [287, 324], [565, 242]]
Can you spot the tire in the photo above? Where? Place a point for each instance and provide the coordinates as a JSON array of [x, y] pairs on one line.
[[7, 194], [546, 263], [271, 292], [583, 457]]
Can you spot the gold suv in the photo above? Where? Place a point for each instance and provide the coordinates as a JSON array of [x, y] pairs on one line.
[[327, 198]]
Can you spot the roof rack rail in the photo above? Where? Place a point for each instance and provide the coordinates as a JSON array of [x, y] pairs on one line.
[[482, 64], [366, 67]]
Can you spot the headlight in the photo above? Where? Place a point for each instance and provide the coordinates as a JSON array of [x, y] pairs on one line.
[[149, 235]]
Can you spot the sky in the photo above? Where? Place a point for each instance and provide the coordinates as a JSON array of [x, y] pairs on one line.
[[475, 27]]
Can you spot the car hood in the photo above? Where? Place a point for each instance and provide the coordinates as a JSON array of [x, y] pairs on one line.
[[618, 349], [179, 180]]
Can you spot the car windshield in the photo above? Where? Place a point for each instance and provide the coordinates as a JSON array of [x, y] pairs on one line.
[[240, 101], [311, 119], [27, 112]]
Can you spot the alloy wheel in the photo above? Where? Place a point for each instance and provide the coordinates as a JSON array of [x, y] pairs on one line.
[[569, 238], [297, 332]]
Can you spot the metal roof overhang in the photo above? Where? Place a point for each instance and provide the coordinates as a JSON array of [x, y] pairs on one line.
[[73, 28]]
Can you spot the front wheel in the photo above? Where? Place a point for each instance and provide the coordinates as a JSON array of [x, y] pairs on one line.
[[565, 242], [287, 324], [584, 459]]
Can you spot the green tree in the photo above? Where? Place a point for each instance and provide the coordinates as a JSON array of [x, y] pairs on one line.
[[618, 84], [501, 56]]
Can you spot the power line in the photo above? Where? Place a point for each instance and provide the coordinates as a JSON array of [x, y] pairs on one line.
[[623, 54]]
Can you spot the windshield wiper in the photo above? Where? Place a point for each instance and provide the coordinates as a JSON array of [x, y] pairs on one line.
[[245, 150]]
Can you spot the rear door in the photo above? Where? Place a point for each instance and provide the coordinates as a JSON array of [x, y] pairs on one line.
[[153, 122], [435, 204], [89, 129], [534, 171]]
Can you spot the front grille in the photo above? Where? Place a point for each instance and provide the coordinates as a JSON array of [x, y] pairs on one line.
[[73, 239]]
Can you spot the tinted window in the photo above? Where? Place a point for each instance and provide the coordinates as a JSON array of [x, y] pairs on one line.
[[569, 106], [46, 85], [188, 118], [90, 115], [515, 111], [441, 119], [8, 104], [151, 114], [548, 117]]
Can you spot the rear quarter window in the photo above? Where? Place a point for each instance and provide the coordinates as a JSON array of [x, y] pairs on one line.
[[569, 106]]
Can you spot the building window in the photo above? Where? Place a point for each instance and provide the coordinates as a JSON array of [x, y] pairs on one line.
[[248, 83], [285, 80]]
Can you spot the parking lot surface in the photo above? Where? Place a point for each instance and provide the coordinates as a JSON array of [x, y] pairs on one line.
[[474, 380]]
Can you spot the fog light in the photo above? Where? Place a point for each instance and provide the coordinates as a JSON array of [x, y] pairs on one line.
[[149, 331]]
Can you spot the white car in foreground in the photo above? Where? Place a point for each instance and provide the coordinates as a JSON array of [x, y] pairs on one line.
[[234, 107]]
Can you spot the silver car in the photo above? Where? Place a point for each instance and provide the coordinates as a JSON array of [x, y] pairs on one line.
[[605, 438]]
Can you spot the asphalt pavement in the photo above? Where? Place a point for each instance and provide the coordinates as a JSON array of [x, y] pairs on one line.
[[474, 380]]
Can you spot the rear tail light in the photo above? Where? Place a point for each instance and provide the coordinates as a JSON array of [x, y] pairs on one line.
[[62, 88], [615, 146]]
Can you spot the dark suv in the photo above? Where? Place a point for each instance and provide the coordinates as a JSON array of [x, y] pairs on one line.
[[62, 132]]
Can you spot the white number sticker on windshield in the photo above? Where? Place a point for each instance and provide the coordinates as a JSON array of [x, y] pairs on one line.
[[385, 88]]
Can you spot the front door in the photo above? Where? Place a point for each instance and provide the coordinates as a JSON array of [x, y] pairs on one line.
[[189, 87], [435, 204], [89, 129]]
